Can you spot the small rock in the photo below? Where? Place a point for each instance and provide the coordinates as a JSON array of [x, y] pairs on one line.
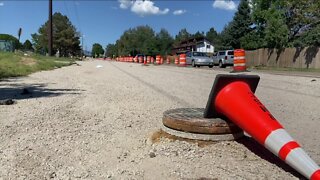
[[313, 80], [52, 175], [7, 102], [152, 155]]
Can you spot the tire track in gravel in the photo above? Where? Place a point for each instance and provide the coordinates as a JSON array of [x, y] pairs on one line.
[[155, 88]]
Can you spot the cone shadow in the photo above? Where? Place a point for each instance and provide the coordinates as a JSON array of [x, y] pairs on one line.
[[263, 153]]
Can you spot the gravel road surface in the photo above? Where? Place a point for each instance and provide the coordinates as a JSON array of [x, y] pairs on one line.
[[99, 122]]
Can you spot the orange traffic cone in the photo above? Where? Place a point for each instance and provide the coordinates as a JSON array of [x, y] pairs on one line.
[[232, 96]]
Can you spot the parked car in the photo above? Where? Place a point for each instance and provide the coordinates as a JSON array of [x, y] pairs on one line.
[[198, 59], [223, 58]]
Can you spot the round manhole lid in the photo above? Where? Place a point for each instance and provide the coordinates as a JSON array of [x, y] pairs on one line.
[[191, 120]]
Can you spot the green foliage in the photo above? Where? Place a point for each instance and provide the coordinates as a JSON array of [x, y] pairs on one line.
[[97, 50], [272, 24], [164, 42], [182, 36], [111, 50], [214, 38], [238, 27], [198, 35], [252, 41], [256, 24], [309, 38], [27, 45], [7, 37], [66, 39]]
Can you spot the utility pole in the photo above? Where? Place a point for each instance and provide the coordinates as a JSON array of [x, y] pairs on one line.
[[50, 29]]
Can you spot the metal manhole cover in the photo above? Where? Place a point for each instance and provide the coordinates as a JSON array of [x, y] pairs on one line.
[[192, 120]]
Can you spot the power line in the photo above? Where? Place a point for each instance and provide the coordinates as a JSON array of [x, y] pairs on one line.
[[77, 15]]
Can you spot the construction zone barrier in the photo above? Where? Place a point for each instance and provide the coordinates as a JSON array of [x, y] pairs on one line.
[[182, 59], [168, 60], [239, 61], [140, 59], [148, 59], [232, 96], [158, 59], [161, 60], [152, 60], [176, 60]]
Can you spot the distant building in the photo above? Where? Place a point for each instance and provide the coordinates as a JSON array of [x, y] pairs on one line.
[[194, 44]]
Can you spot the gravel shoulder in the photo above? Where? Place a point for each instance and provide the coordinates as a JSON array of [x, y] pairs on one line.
[[84, 122]]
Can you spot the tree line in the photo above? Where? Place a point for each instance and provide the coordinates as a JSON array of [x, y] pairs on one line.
[[66, 39], [256, 24]]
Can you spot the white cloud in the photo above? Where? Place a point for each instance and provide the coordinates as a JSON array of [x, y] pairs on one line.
[[142, 7], [125, 4], [225, 4], [147, 7], [1, 3], [179, 12]]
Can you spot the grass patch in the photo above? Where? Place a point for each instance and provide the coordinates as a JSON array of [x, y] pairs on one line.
[[16, 64]]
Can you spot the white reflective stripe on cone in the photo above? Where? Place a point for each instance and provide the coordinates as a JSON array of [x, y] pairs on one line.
[[239, 64], [276, 140], [299, 160], [239, 58]]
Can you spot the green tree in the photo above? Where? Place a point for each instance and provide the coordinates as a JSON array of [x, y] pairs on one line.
[[66, 39], [226, 36], [239, 26], [164, 42], [269, 18], [301, 16], [215, 38], [252, 41], [309, 38], [182, 36], [198, 35], [111, 50], [27, 45], [276, 31], [97, 50], [14, 40], [137, 40]]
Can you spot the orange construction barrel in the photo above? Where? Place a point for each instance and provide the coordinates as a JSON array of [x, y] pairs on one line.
[[148, 59], [176, 60], [183, 61], [158, 59], [239, 61], [140, 59]]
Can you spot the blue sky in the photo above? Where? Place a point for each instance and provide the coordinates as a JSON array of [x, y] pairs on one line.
[[104, 21]]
